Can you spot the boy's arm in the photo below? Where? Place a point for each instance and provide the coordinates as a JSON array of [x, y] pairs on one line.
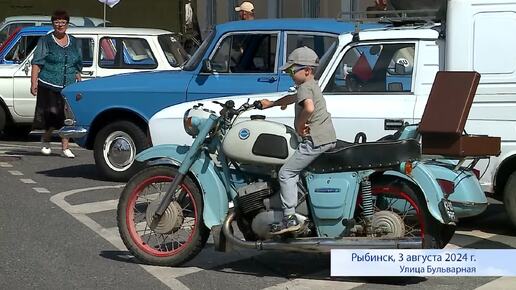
[[304, 115], [283, 102]]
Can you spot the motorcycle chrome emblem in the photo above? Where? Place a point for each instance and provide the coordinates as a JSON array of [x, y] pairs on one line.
[[244, 133]]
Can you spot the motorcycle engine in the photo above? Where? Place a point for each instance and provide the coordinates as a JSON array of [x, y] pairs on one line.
[[261, 206]]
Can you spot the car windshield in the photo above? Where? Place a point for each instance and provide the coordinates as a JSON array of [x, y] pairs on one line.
[[196, 58], [175, 53], [325, 59]]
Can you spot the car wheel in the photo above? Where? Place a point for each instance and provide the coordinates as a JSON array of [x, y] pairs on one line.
[[115, 148], [509, 198]]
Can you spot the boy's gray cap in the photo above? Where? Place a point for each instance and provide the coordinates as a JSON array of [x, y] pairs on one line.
[[301, 56]]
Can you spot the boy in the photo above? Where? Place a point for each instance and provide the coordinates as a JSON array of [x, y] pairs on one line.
[[312, 122]]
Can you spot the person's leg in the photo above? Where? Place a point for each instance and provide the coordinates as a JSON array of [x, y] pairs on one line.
[[66, 150], [64, 143], [288, 178], [45, 141]]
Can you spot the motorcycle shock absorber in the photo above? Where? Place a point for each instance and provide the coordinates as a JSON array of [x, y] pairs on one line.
[[367, 203]]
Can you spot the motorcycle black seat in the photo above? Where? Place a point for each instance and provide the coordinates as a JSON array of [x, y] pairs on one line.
[[370, 155]]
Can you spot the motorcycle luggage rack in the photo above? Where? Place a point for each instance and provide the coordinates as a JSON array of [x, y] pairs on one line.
[[445, 115]]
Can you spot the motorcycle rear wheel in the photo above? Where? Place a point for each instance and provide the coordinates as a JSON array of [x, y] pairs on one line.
[[418, 220], [175, 240]]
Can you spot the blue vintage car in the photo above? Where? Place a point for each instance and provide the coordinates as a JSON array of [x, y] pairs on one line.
[[242, 57]]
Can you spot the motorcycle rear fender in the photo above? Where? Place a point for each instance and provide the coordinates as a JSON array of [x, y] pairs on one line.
[[205, 174], [423, 178]]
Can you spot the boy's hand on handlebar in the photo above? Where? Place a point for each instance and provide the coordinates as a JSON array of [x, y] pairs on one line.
[[266, 104]]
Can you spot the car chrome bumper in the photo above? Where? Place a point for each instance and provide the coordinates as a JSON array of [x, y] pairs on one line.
[[72, 132]]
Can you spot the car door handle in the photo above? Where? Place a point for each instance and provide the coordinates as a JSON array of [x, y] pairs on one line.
[[87, 73], [267, 79], [393, 124]]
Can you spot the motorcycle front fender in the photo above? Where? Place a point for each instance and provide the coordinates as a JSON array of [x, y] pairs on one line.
[[426, 181], [204, 172]]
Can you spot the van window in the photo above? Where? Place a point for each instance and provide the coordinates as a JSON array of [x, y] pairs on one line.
[[493, 53], [246, 53], [374, 68], [125, 53]]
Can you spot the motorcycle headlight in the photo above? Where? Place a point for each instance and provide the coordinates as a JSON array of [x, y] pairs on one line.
[[190, 129]]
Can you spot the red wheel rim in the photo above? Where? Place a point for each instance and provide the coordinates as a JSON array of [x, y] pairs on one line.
[[379, 190], [134, 232]]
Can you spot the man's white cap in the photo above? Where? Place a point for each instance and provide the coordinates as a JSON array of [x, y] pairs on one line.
[[245, 6], [301, 56]]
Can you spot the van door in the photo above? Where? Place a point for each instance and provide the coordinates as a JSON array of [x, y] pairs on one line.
[[371, 88]]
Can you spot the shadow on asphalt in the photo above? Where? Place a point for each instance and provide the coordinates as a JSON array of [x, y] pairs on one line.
[[87, 171], [314, 266], [120, 256], [30, 153], [493, 221]]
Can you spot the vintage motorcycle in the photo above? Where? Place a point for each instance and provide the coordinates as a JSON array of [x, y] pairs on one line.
[[372, 195]]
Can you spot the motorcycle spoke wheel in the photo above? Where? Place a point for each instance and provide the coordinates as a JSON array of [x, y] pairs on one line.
[[397, 198], [403, 205], [150, 241], [179, 235]]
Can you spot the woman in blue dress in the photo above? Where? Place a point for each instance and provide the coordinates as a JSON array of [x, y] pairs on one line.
[[57, 63]]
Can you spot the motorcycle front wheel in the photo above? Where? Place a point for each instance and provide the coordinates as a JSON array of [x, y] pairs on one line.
[[179, 235]]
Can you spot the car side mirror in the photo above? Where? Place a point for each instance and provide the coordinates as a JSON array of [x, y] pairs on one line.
[[206, 66]]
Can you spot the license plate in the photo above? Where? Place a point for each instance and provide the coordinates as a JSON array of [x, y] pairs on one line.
[[448, 206]]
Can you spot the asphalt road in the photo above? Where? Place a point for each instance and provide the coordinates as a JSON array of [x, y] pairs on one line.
[[58, 231]]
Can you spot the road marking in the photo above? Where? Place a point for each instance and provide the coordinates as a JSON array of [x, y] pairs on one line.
[[166, 275], [15, 172], [5, 165], [41, 190], [309, 284], [27, 180], [503, 283], [92, 207]]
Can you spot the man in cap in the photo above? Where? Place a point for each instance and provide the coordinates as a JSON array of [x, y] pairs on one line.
[[245, 10], [312, 122]]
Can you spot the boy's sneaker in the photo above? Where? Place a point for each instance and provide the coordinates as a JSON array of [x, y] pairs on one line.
[[68, 153], [289, 224], [45, 150]]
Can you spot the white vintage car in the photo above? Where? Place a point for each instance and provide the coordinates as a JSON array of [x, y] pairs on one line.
[[10, 24], [106, 51]]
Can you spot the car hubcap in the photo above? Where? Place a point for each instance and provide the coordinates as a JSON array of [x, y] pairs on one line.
[[119, 151]]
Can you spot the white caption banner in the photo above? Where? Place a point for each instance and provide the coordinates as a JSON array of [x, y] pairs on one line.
[[456, 262]]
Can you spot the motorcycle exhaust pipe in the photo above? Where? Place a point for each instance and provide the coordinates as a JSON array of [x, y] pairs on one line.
[[319, 244]]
